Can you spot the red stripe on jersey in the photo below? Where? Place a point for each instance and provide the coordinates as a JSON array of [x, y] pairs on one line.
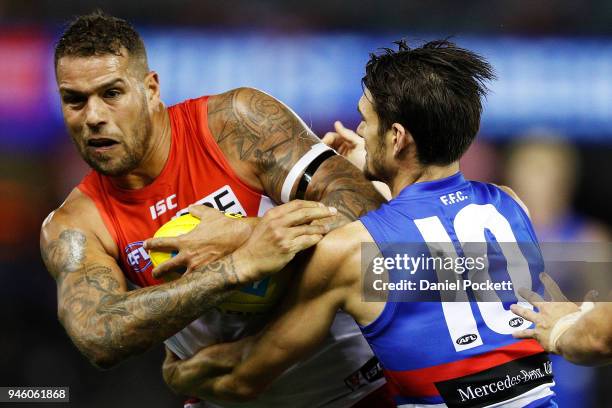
[[421, 382]]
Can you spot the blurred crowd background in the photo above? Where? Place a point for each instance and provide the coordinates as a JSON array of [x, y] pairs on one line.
[[546, 132]]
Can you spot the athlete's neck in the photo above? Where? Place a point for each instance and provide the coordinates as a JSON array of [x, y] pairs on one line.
[[154, 159], [406, 177]]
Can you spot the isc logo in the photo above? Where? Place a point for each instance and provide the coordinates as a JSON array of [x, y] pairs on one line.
[[162, 206], [467, 339], [222, 199]]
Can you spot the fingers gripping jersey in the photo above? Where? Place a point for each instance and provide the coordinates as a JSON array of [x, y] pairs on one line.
[[197, 172], [452, 346]]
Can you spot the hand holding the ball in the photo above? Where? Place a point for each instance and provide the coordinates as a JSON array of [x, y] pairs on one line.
[[214, 237], [281, 234]]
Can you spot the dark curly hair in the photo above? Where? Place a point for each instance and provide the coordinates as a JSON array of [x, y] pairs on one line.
[[434, 91], [98, 33]]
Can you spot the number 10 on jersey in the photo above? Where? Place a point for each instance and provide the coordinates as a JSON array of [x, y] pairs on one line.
[[470, 227]]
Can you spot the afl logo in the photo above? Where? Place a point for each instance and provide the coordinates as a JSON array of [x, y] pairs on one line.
[[467, 339], [137, 257], [516, 322]]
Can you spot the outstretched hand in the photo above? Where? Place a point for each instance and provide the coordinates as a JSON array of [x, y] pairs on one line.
[[546, 330], [347, 143], [350, 145]]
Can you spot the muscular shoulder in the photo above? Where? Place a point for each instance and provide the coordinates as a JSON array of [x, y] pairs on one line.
[[336, 260], [249, 111], [77, 211], [259, 135], [346, 240], [79, 214], [241, 99], [239, 106]]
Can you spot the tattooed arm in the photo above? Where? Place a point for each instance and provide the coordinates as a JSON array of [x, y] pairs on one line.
[[108, 324], [263, 139]]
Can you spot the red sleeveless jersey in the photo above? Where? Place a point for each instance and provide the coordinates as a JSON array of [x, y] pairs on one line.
[[196, 172]]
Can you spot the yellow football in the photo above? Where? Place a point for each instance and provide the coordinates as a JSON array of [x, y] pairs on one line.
[[258, 297], [173, 228]]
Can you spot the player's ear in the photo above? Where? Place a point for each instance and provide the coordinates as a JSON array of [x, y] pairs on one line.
[[401, 139], [151, 83]]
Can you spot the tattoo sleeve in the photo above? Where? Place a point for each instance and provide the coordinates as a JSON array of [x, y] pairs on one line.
[[261, 130], [339, 184], [108, 324]]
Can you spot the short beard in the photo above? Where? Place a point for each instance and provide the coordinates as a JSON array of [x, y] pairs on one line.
[[376, 171], [127, 164]]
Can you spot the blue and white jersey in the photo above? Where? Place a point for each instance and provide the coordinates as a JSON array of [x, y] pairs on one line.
[[445, 339]]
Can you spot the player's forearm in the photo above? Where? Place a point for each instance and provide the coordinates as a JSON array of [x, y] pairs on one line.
[[122, 324], [339, 184], [282, 344], [253, 376], [230, 388], [248, 379], [589, 340]]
